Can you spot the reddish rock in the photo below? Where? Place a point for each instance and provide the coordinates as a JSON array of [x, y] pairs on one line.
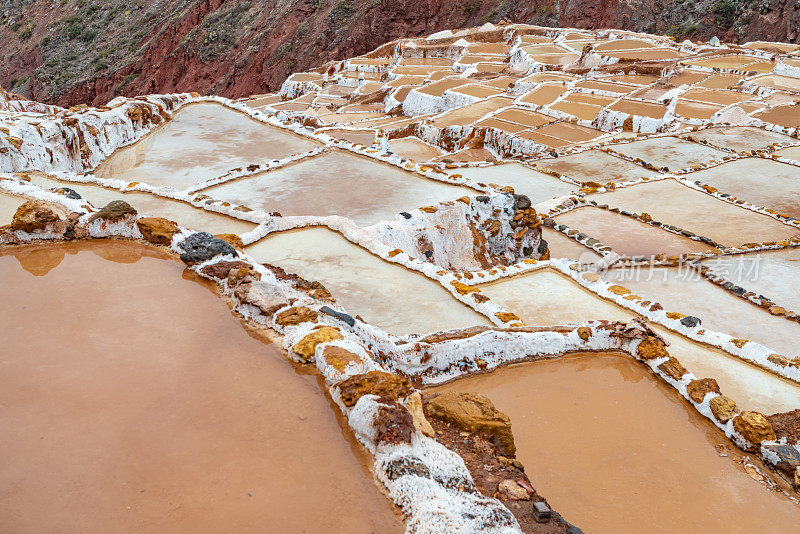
[[393, 424], [295, 315], [222, 269], [33, 216], [753, 427], [234, 240], [651, 348], [306, 347], [673, 368], [157, 230], [723, 408], [698, 389], [337, 357]]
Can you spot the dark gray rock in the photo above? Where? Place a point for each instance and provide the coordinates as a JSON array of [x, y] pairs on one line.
[[405, 214], [202, 246], [482, 198], [690, 320], [67, 192], [406, 465], [114, 211], [522, 202], [345, 318], [788, 455]]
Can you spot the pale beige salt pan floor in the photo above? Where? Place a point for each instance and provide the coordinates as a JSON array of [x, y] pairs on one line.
[[548, 298], [740, 138], [596, 166], [386, 295], [414, 149], [338, 183], [134, 401], [146, 204], [8, 207], [615, 451], [201, 142], [525, 181], [626, 235], [763, 182], [670, 152], [773, 274], [669, 202], [562, 246], [685, 291]]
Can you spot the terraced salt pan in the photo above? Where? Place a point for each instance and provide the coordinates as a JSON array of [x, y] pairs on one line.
[[153, 206], [773, 274], [133, 401], [669, 202], [562, 246], [384, 294], [547, 297], [671, 152], [414, 149], [762, 182], [596, 166], [740, 138], [614, 450], [337, 183], [626, 235], [684, 291], [202, 141], [526, 181]]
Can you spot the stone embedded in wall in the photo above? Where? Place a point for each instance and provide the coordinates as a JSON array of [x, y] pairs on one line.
[[296, 315], [651, 348], [474, 412], [114, 211], [723, 408], [338, 357], [673, 368], [393, 423], [697, 389], [222, 269], [234, 240], [265, 296], [202, 246], [377, 383], [306, 347], [414, 406], [157, 230], [753, 427]]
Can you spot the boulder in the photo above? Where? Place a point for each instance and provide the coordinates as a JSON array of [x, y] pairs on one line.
[[33, 215], [157, 230], [753, 427], [723, 408], [234, 240], [690, 320], [222, 269], [474, 412], [584, 333], [296, 315], [202, 246], [114, 211], [698, 389], [378, 383], [393, 423], [306, 347], [651, 348], [406, 466]]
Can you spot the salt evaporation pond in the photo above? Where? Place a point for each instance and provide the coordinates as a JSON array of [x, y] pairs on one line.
[[741, 138], [596, 166], [153, 206], [669, 202], [626, 235], [201, 142], [762, 182], [384, 294], [671, 152], [525, 181], [338, 183], [414, 149], [134, 401], [561, 246], [615, 450], [683, 290], [773, 274], [8, 207], [546, 297]]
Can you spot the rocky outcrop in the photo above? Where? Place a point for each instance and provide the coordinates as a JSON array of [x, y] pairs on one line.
[[114, 211], [474, 412], [157, 230], [753, 427]]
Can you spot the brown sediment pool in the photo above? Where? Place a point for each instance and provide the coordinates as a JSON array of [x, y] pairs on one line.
[[670, 202], [390, 296], [546, 297], [201, 142], [596, 166], [626, 235], [614, 450], [374, 191], [134, 401], [184, 214]]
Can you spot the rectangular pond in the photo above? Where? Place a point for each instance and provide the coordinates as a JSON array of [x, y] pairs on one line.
[[525, 181], [671, 152], [387, 295], [338, 183], [202, 141], [596, 166]]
